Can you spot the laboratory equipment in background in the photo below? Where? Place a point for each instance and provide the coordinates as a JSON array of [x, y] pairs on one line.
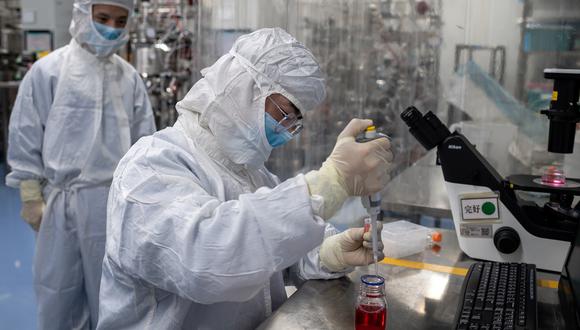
[[161, 48], [371, 308], [38, 42], [496, 65], [53, 16], [403, 238], [465, 55], [29, 29], [377, 56], [13, 65], [549, 32], [10, 45], [492, 220]]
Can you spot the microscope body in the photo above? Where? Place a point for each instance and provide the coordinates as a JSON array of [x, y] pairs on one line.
[[492, 222]]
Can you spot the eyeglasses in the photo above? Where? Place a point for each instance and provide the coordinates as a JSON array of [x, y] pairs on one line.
[[289, 122]]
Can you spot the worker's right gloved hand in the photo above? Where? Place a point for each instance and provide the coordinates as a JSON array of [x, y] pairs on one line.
[[352, 169], [32, 203]]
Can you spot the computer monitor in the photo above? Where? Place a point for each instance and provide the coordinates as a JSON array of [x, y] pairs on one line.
[[38, 41], [569, 286]]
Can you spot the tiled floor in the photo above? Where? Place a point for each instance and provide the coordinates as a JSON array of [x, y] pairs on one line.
[[17, 302]]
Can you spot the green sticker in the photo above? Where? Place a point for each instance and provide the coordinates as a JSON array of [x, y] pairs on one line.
[[488, 208]]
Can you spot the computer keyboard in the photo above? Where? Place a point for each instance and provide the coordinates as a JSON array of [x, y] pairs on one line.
[[498, 296]]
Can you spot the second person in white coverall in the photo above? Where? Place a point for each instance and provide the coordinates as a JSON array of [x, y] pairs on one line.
[[200, 234], [78, 111]]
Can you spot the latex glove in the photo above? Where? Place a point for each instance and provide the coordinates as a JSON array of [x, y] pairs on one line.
[[32, 203], [350, 248], [352, 169]]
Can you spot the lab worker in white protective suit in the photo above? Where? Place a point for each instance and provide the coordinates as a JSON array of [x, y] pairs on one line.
[[77, 112], [200, 234]]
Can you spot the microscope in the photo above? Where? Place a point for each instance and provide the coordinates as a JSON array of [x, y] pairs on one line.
[[492, 221]]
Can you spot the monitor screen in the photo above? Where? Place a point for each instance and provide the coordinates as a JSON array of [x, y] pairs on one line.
[[37, 41]]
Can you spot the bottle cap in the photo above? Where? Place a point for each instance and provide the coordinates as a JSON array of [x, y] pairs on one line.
[[436, 236], [373, 280]]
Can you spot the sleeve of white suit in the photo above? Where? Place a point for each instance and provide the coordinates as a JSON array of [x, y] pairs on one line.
[[143, 123], [25, 131], [181, 239], [309, 267]]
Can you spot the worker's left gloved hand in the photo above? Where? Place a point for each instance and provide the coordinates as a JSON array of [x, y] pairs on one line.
[[350, 248], [32, 203]]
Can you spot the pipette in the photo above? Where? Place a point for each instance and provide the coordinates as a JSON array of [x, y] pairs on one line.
[[374, 201]]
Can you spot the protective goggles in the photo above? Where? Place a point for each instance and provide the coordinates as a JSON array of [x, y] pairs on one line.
[[290, 122]]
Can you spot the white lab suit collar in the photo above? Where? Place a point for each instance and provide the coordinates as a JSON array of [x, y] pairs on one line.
[[88, 57], [188, 122]]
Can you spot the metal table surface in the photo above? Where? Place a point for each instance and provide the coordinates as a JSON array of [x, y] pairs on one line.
[[422, 293], [422, 290]]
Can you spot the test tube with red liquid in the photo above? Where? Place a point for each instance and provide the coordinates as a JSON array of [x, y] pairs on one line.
[[371, 306]]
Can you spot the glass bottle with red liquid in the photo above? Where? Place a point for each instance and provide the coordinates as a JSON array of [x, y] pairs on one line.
[[371, 304]]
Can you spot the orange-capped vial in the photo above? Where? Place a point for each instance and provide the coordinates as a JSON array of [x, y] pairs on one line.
[[436, 237]]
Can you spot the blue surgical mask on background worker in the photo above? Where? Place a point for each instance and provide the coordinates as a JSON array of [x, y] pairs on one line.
[[105, 32]]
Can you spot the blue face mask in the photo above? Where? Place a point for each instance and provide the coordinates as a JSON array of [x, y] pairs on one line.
[[275, 139], [109, 33]]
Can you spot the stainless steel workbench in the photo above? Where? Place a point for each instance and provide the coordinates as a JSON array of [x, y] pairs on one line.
[[420, 293], [417, 298]]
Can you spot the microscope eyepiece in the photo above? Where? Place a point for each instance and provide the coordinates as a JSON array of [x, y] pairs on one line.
[[411, 115], [428, 129]]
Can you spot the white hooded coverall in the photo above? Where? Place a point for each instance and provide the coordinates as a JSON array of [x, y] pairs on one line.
[[200, 234], [75, 116]]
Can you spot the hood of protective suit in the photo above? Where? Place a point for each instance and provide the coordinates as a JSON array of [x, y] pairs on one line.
[[83, 30], [230, 98]]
